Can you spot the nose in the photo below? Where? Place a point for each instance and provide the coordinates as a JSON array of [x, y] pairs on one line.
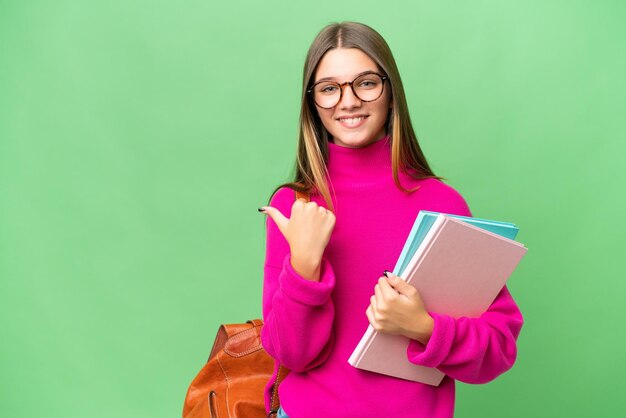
[[348, 98]]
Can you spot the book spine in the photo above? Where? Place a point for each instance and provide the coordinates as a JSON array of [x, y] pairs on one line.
[[434, 229], [361, 348]]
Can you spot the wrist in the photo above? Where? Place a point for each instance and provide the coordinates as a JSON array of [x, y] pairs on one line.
[[309, 269], [423, 330]]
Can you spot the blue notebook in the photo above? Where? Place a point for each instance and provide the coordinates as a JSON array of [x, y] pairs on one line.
[[425, 220]]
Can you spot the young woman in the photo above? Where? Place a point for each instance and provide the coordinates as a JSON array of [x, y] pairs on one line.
[[359, 159]]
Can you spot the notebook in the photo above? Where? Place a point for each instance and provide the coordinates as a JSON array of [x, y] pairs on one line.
[[425, 220]]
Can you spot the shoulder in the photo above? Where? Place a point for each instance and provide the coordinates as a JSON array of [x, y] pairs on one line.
[[443, 197], [283, 199]]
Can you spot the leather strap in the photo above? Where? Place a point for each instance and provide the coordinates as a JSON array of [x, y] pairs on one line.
[[227, 331], [275, 401], [303, 195], [256, 322]]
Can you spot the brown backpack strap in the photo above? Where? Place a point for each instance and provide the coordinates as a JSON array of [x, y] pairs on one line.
[[227, 331], [275, 400], [303, 195], [255, 322]]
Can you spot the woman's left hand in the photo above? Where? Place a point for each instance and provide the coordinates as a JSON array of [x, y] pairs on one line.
[[397, 308]]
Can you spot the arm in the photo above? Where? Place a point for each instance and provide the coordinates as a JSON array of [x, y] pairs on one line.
[[297, 307], [472, 350]]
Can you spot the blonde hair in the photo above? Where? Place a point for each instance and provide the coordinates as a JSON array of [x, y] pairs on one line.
[[312, 154]]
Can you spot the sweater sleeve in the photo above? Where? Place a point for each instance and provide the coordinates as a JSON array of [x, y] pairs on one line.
[[298, 314], [472, 350]]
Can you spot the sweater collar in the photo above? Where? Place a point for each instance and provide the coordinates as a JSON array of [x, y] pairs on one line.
[[360, 165]]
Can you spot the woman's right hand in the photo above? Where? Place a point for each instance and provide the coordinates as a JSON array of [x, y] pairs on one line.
[[307, 232]]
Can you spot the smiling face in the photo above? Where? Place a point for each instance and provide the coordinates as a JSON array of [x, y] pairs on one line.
[[352, 123]]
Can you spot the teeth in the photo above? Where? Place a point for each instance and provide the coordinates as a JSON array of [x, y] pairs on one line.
[[351, 121]]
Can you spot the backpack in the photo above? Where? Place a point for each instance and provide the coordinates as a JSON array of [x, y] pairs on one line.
[[232, 382]]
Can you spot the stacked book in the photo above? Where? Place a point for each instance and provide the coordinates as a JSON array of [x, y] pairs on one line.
[[459, 265]]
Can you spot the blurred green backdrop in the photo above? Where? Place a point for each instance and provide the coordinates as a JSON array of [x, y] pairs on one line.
[[138, 138]]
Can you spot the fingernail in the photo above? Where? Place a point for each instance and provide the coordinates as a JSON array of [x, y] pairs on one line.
[[385, 273], [261, 209]]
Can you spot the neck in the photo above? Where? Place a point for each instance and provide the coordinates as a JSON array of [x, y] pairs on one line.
[[360, 166]]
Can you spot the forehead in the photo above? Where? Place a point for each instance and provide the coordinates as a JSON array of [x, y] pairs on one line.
[[344, 64]]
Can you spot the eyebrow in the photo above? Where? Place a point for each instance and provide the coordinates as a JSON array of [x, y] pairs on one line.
[[335, 78]]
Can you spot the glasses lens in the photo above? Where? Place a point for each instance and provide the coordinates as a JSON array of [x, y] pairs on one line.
[[327, 94], [368, 87]]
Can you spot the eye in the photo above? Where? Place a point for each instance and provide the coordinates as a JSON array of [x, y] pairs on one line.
[[326, 88], [368, 83]]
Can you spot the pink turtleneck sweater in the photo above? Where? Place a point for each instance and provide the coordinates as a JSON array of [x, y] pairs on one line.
[[313, 327]]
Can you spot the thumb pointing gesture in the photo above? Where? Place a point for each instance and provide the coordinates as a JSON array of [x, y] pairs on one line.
[[279, 219], [307, 232]]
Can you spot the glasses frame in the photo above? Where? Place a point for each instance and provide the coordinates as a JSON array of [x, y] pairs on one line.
[[348, 83]]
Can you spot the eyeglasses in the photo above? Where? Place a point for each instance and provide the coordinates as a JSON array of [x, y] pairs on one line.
[[367, 87]]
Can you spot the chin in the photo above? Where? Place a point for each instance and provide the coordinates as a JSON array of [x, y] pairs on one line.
[[355, 141]]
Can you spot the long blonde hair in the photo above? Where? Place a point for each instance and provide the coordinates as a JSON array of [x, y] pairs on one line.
[[312, 154]]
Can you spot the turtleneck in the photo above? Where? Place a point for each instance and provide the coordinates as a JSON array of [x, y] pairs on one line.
[[360, 166]]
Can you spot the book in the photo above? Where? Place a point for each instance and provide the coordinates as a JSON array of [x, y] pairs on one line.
[[425, 220], [459, 269]]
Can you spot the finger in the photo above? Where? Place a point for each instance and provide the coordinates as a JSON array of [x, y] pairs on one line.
[[297, 206], [312, 208], [300, 203], [392, 279], [370, 316], [302, 208], [378, 292], [311, 205], [325, 213], [386, 289], [280, 219], [405, 289], [373, 303], [399, 285], [330, 218]]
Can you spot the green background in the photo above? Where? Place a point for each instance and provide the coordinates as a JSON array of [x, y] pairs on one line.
[[138, 138]]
